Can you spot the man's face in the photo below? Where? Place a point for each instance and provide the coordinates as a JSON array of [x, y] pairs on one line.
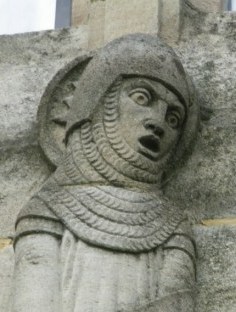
[[151, 117]]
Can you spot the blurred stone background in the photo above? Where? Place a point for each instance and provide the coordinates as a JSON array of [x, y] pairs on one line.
[[204, 37]]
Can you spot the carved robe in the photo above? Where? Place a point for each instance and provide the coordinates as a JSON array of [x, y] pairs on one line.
[[113, 244]]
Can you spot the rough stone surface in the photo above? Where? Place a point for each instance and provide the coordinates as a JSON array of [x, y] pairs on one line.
[[216, 268], [6, 272], [208, 5], [138, 17], [28, 62], [80, 12], [108, 20], [96, 24], [22, 171], [170, 19], [209, 53], [209, 56]]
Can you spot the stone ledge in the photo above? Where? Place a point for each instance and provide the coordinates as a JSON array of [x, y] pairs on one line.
[[207, 5], [5, 242], [219, 222]]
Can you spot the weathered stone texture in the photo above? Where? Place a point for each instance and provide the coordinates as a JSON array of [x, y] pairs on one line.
[[208, 50], [28, 62], [216, 269], [208, 5], [6, 269], [109, 19], [80, 12], [96, 24], [124, 17], [171, 19], [209, 55], [22, 171]]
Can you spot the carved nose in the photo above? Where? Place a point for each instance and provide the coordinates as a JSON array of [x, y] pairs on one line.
[[152, 125]]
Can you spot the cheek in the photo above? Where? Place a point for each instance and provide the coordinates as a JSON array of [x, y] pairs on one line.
[[172, 137], [128, 108], [131, 117]]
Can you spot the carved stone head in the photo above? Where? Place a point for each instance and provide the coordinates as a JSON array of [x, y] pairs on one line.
[[137, 92], [149, 116], [157, 111]]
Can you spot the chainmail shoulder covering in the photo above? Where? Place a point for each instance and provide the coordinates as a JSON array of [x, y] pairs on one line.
[[35, 217], [113, 217]]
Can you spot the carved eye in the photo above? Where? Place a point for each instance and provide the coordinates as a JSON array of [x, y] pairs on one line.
[[173, 119], [140, 96]]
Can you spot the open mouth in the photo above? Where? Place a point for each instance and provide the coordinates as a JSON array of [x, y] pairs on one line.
[[149, 146]]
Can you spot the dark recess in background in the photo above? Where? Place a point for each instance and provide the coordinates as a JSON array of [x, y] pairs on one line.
[[63, 13]]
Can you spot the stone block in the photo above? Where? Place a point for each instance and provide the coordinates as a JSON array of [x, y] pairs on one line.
[[171, 19], [28, 62], [96, 24], [111, 19], [133, 16], [22, 172], [216, 273], [80, 12], [6, 272], [208, 5], [210, 59]]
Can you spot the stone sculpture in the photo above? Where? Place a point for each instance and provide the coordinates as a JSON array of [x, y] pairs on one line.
[[100, 235]]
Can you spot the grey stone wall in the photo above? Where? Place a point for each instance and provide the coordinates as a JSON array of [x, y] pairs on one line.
[[27, 63], [209, 5], [205, 185]]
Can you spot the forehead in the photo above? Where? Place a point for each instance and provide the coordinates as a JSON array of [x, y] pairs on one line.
[[156, 89]]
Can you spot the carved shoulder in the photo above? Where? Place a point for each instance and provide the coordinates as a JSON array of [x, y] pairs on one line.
[[182, 239], [35, 218]]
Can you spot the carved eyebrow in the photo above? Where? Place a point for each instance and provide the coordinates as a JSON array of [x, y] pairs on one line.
[[157, 92], [161, 91], [179, 107], [143, 84], [140, 84]]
